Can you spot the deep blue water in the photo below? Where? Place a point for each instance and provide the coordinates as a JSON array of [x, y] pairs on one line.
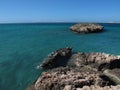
[[24, 46]]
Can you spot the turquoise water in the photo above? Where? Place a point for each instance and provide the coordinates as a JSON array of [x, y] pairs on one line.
[[24, 46]]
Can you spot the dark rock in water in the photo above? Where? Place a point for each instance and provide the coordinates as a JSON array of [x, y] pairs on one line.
[[86, 28], [61, 78], [57, 58]]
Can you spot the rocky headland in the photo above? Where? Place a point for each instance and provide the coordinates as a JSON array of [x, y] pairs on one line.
[[86, 28], [82, 71]]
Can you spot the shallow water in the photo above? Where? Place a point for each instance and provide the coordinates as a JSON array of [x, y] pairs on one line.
[[24, 46]]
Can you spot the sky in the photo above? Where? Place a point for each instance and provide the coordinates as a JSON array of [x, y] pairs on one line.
[[59, 11]]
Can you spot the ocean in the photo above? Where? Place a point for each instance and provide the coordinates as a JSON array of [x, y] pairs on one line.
[[24, 46]]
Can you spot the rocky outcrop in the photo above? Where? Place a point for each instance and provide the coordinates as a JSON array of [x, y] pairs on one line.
[[57, 58], [84, 71], [86, 28], [95, 60], [59, 78]]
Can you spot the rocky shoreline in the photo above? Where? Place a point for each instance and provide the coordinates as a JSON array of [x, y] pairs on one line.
[[86, 28], [83, 71]]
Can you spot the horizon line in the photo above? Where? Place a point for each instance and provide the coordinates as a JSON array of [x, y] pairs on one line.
[[54, 22]]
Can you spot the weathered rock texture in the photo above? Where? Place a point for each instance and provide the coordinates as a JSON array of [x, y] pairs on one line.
[[86, 28], [93, 87], [57, 58], [113, 75], [95, 60], [76, 78], [84, 71]]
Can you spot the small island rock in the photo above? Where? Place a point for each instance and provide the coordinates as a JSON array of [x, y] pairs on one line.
[[86, 28]]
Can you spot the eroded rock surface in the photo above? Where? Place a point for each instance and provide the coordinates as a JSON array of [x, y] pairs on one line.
[[113, 75], [86, 28], [84, 71], [93, 87], [76, 78], [95, 60]]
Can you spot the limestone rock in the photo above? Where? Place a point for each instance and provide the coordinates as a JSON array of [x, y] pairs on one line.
[[113, 75], [68, 87], [67, 78], [83, 71], [100, 88], [86, 28], [95, 60]]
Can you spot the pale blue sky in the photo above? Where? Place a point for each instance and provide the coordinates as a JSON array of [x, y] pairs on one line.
[[59, 11]]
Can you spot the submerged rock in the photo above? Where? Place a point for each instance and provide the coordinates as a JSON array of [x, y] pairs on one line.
[[30, 87], [86, 28], [57, 58]]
